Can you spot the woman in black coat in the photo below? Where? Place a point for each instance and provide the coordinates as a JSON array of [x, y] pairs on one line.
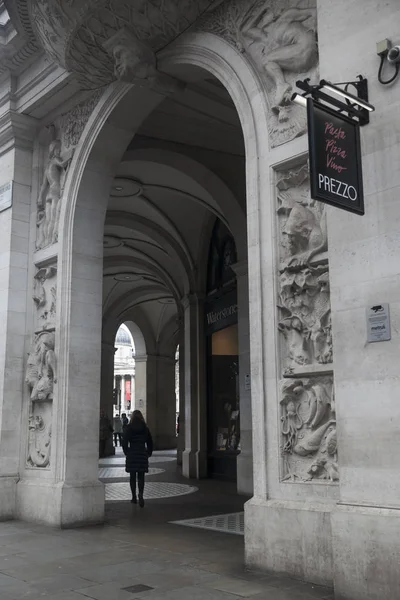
[[137, 445]]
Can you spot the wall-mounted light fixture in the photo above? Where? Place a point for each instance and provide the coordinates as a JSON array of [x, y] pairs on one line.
[[386, 51], [355, 106]]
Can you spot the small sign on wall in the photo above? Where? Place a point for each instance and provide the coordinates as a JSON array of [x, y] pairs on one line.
[[378, 323], [247, 382], [5, 196]]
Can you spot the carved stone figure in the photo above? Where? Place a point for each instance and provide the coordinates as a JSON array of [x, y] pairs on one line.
[[39, 442], [291, 419], [74, 35], [304, 298], [280, 44], [319, 400], [308, 429], [44, 296], [50, 195], [135, 62], [41, 368], [311, 442]]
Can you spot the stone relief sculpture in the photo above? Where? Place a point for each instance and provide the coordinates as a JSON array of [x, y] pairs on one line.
[[136, 62], [66, 133], [44, 296], [41, 371], [72, 123], [280, 44], [74, 34], [280, 39], [308, 430], [49, 199], [39, 442], [304, 296]]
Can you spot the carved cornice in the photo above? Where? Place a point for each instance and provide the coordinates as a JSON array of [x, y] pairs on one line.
[[23, 46]]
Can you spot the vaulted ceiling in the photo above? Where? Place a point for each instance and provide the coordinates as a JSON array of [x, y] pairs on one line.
[[183, 169]]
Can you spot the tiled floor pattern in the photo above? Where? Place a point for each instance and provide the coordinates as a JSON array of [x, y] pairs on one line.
[[119, 461], [231, 523], [119, 472], [115, 492]]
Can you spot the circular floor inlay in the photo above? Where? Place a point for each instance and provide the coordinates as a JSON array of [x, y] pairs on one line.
[[114, 472], [119, 462], [116, 492]]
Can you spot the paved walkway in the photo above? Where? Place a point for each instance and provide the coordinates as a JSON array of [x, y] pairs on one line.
[[139, 553]]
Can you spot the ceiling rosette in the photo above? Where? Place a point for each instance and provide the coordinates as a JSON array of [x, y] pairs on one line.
[[75, 33]]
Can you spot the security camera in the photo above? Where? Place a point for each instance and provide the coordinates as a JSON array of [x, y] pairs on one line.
[[393, 55]]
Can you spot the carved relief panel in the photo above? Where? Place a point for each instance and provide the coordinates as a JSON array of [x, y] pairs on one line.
[[41, 370], [308, 422], [308, 430], [65, 134], [304, 296], [279, 38]]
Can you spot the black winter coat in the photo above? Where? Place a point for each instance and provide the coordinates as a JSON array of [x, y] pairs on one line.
[[137, 445]]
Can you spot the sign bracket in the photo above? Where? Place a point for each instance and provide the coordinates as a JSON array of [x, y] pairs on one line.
[[356, 106]]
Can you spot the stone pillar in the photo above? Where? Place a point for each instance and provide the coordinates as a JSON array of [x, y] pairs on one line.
[[181, 435], [165, 432], [17, 132], [141, 384], [194, 459], [106, 393], [245, 458]]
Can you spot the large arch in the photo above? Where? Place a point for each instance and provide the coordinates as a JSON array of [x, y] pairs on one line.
[[119, 113]]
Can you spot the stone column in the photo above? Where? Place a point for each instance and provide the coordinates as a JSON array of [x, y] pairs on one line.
[[245, 458], [181, 436], [194, 459], [165, 432], [141, 384], [106, 393], [16, 141]]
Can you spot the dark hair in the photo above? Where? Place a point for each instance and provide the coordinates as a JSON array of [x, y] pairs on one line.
[[137, 417]]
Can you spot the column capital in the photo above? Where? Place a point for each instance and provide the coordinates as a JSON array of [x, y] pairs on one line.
[[191, 299], [241, 268], [17, 130]]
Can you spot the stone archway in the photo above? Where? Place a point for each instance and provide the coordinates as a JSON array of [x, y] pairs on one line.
[[110, 128]]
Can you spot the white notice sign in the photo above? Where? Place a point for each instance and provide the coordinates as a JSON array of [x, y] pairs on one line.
[[378, 323], [5, 196]]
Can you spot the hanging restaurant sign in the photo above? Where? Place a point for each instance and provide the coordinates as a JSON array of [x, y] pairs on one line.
[[335, 158]]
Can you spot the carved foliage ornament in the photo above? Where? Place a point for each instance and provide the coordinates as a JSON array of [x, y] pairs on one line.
[[75, 33]]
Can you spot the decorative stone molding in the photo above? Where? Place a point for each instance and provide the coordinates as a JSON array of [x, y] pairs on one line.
[[308, 429], [75, 34], [280, 40]]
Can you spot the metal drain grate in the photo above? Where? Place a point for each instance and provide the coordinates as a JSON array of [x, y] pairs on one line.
[[230, 523]]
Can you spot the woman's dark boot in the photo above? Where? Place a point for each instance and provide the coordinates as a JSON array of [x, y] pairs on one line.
[[141, 502], [134, 500]]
